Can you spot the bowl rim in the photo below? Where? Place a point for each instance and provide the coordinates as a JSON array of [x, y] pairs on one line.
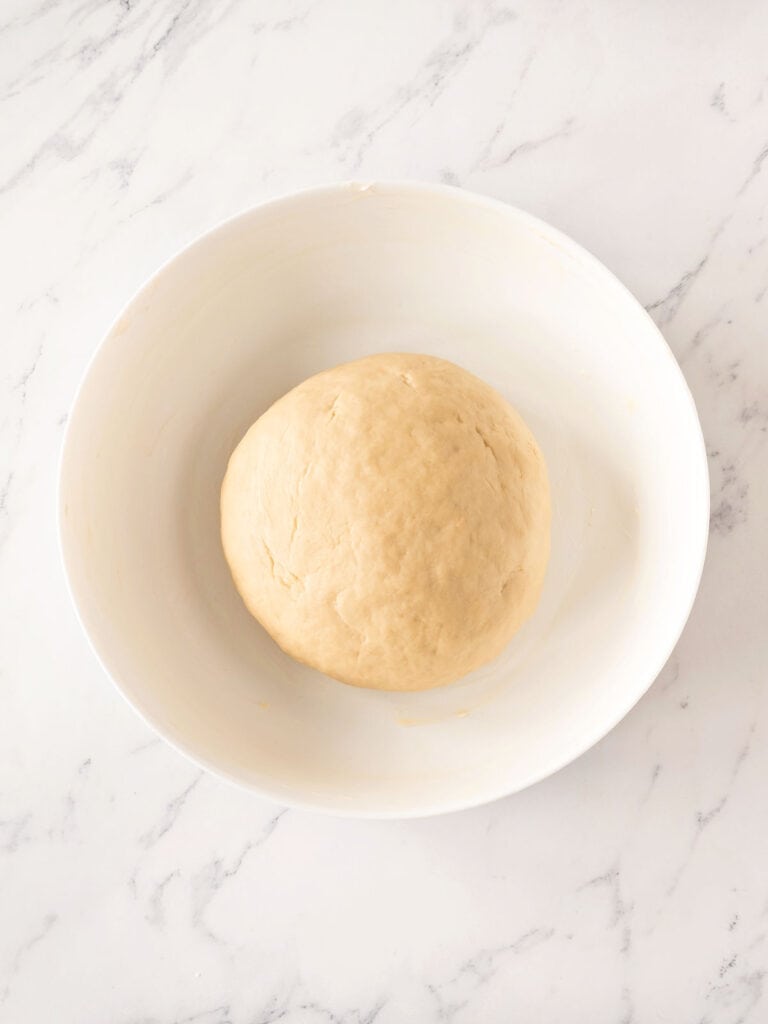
[[277, 793]]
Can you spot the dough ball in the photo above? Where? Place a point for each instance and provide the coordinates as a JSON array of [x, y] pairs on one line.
[[387, 522]]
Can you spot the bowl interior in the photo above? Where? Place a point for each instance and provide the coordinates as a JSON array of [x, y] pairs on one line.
[[305, 283]]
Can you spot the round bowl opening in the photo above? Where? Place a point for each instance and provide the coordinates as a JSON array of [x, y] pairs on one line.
[[304, 283]]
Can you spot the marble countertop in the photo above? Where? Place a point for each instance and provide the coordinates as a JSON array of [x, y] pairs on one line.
[[632, 887]]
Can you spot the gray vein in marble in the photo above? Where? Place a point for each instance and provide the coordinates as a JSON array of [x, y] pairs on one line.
[[12, 833], [170, 815], [353, 1017], [21, 384], [156, 913], [701, 335], [485, 153], [283, 24], [17, 392], [210, 879], [274, 1010], [30, 17], [727, 965], [665, 309], [725, 374], [756, 412], [4, 491], [669, 675], [217, 1015], [58, 144], [67, 826], [667, 306], [102, 102], [34, 72], [453, 995], [655, 773], [704, 818], [183, 179], [151, 743], [628, 1017], [196, 27], [123, 167], [92, 49], [741, 994], [729, 504], [67, 819], [176, 18], [718, 103], [757, 246], [448, 177], [621, 912], [531, 145], [757, 166], [26, 947], [426, 87]]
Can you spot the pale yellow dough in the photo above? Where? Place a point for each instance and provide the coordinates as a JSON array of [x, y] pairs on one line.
[[388, 522]]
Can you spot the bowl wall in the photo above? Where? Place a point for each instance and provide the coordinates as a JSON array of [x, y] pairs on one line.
[[302, 284]]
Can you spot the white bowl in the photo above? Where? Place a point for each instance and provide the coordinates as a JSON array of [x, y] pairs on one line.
[[304, 283]]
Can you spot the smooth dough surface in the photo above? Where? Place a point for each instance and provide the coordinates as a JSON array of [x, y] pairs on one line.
[[388, 522]]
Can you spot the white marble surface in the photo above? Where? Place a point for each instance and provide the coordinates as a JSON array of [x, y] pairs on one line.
[[633, 886]]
